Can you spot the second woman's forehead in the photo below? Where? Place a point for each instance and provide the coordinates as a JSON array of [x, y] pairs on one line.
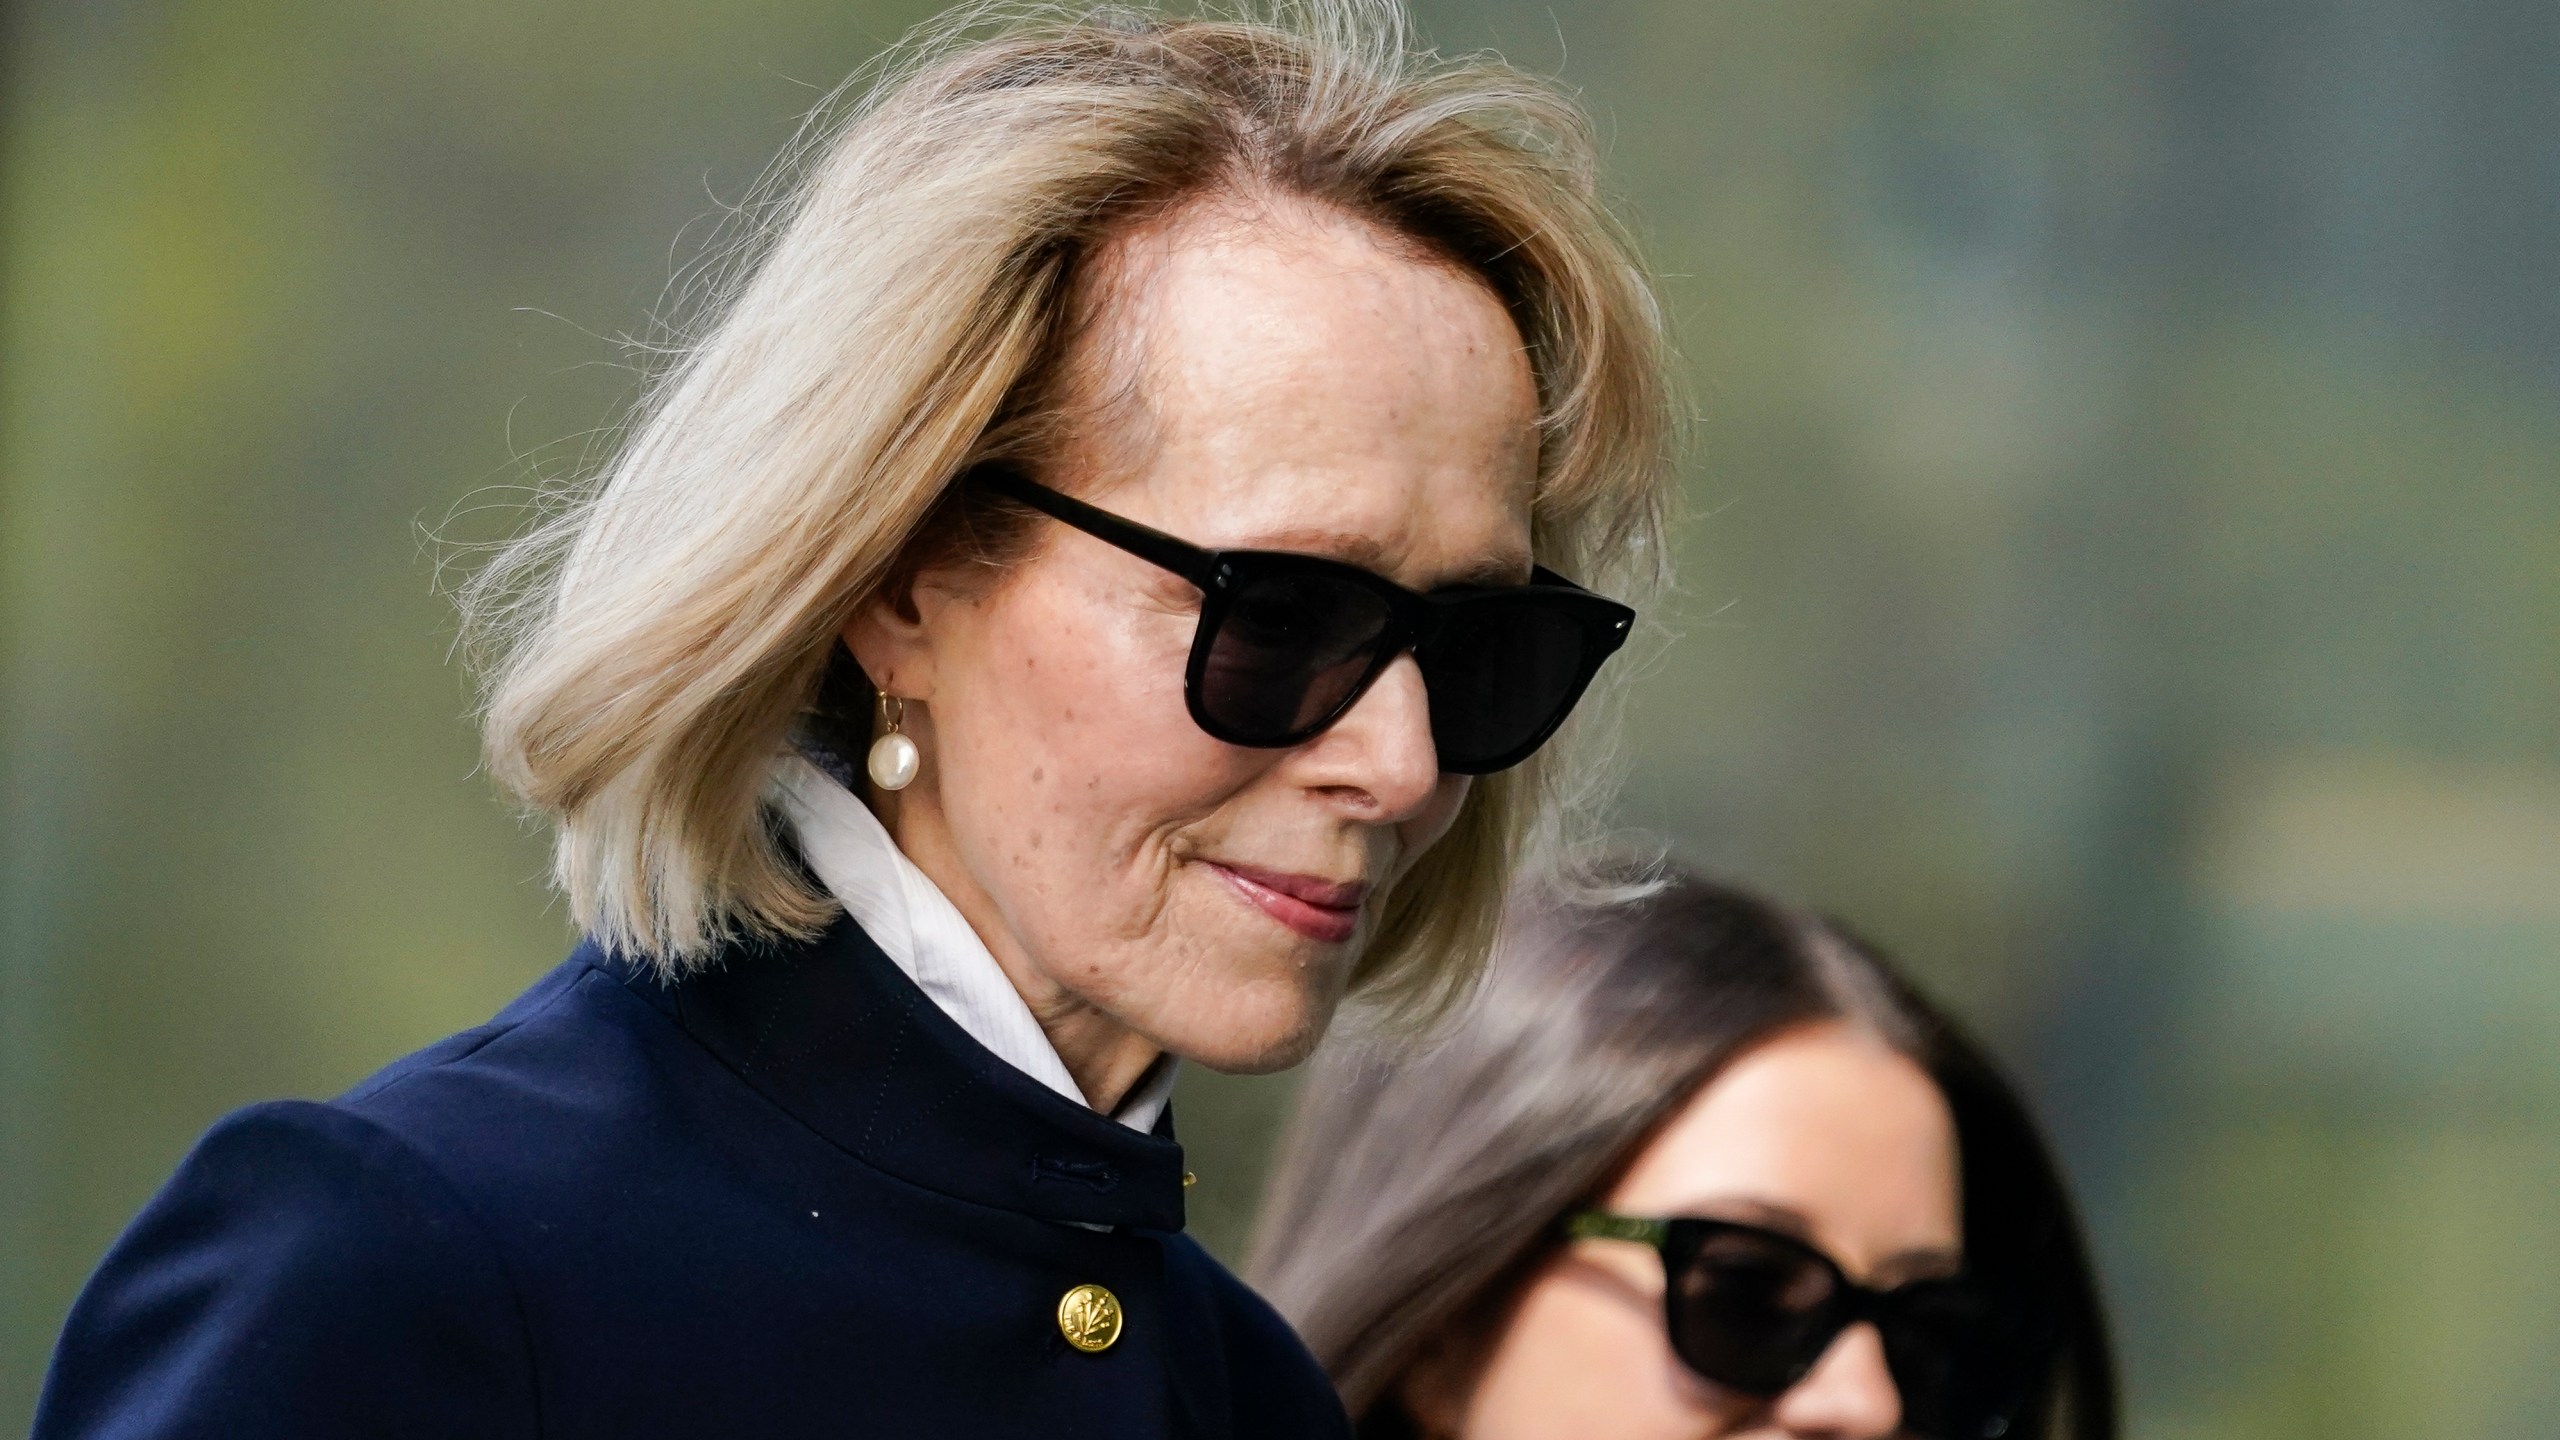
[[1828, 1124], [1308, 383]]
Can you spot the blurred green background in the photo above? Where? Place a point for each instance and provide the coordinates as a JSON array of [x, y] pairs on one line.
[[2122, 573]]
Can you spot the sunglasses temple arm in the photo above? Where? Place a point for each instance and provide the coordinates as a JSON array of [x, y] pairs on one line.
[[1601, 1225], [1153, 546]]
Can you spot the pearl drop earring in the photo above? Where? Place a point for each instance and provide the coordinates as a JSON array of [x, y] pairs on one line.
[[894, 759]]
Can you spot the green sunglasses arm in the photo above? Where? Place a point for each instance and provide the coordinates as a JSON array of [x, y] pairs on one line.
[[1601, 1225]]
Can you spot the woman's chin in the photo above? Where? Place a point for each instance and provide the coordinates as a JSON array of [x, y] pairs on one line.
[[1255, 1030], [1259, 1060]]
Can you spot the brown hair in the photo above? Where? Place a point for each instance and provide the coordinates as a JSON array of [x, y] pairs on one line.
[[899, 315], [1419, 1190]]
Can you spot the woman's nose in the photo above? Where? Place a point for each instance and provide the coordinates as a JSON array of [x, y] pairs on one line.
[[1848, 1396], [1381, 751]]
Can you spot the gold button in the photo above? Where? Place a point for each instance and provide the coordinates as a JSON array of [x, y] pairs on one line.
[[1089, 1316], [1189, 1179]]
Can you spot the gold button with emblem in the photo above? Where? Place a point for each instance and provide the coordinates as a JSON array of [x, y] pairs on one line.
[[1089, 1316]]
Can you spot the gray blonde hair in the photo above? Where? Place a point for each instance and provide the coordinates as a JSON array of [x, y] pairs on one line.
[[896, 313]]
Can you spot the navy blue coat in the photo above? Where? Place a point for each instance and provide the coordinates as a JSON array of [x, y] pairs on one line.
[[787, 1197]]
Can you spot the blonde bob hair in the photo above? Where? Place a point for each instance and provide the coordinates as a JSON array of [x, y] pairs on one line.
[[896, 311]]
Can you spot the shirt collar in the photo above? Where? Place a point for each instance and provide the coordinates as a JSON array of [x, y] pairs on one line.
[[925, 936]]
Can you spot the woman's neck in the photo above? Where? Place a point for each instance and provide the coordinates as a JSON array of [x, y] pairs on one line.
[[1104, 1057], [1107, 1058]]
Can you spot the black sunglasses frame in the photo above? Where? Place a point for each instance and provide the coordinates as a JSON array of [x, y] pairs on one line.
[[1414, 620], [1681, 1240]]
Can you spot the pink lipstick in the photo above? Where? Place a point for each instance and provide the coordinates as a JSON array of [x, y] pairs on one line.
[[1319, 909]]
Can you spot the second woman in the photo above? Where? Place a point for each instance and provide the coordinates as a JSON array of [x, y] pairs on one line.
[[1691, 1166]]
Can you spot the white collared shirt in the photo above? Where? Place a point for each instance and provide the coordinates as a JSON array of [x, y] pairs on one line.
[[924, 934]]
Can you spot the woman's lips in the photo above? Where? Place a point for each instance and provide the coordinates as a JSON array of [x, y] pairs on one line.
[[1325, 910]]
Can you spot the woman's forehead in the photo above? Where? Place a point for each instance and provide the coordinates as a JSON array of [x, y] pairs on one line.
[[1827, 1123], [1318, 382], [1324, 314]]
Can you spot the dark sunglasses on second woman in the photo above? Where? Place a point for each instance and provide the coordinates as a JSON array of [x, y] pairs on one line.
[[1288, 643], [1754, 1310]]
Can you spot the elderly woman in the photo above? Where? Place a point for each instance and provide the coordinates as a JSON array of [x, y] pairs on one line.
[[1694, 1165], [1090, 596]]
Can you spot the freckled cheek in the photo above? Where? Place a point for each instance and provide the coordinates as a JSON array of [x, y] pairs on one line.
[[1102, 692], [1051, 754], [1102, 762]]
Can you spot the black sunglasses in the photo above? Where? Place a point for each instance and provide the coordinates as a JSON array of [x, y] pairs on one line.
[[1287, 643], [1754, 1310]]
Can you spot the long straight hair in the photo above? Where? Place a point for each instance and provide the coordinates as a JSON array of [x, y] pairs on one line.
[[1419, 1191]]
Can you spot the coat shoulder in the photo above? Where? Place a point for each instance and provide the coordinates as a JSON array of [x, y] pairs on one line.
[[309, 1259], [554, 1092], [305, 1272]]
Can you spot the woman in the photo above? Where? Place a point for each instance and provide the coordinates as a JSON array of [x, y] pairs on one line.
[[1854, 1228], [1081, 602]]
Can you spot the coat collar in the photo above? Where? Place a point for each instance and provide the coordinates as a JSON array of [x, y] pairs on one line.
[[837, 1036]]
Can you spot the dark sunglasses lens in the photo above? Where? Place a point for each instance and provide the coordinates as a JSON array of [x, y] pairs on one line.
[[1290, 649], [1961, 1373], [1502, 673], [1753, 1312]]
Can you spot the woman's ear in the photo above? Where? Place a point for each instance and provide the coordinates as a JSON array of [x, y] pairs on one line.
[[888, 636]]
